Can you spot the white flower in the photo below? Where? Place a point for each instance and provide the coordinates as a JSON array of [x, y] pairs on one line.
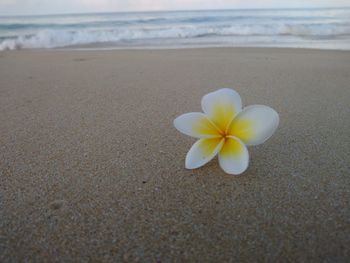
[[225, 129]]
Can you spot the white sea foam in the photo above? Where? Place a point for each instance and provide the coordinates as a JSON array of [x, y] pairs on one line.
[[206, 27]]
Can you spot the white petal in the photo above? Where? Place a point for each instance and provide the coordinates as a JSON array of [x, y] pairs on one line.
[[222, 106], [234, 156], [197, 125], [255, 124], [203, 151]]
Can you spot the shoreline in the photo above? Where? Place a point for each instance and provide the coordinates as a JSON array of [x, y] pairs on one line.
[[108, 47], [161, 49], [72, 48]]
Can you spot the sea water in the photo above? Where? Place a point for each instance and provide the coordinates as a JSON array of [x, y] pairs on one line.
[[311, 28]]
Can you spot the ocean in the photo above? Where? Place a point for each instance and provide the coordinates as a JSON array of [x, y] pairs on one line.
[[304, 28]]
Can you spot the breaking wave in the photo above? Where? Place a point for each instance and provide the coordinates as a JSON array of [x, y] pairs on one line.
[[41, 32]]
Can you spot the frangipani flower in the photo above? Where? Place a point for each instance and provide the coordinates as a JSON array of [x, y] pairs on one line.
[[225, 129]]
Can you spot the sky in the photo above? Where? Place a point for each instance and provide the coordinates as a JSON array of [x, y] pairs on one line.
[[35, 7]]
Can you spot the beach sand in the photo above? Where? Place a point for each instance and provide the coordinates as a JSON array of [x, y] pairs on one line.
[[92, 169]]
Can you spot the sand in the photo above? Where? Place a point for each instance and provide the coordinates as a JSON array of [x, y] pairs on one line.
[[92, 169]]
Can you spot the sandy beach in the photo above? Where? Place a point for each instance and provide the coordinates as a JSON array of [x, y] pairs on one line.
[[92, 169]]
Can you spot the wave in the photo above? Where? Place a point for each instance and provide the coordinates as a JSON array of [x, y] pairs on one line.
[[96, 24], [62, 38], [153, 21]]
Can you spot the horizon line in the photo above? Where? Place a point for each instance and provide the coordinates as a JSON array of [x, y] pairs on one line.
[[170, 11]]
